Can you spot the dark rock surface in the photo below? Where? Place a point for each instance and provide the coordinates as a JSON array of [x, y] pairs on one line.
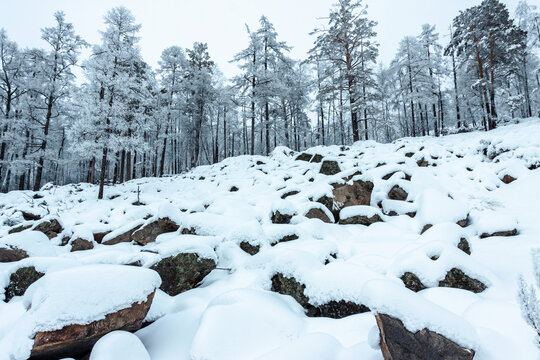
[[12, 255], [330, 167], [20, 280], [398, 343], [456, 278], [76, 340], [182, 272]]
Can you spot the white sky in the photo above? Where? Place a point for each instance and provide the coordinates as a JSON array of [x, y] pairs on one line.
[[221, 23]]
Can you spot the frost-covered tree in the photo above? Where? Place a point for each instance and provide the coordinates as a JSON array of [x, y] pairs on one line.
[[52, 82], [12, 76], [348, 44], [111, 83]]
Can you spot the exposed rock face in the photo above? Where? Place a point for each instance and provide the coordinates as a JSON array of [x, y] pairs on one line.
[[333, 309], [316, 158], [98, 237], [507, 179], [289, 193], [81, 244], [412, 282], [182, 272], [464, 246], [250, 249], [398, 343], [50, 228], [304, 157], [29, 216], [286, 238], [279, 218], [464, 223], [233, 189], [12, 255], [361, 220], [499, 233], [397, 193], [20, 280], [289, 286], [124, 237], [426, 228], [340, 309], [75, 340], [359, 193], [422, 163], [456, 278], [19, 229], [150, 232], [318, 214], [330, 167]]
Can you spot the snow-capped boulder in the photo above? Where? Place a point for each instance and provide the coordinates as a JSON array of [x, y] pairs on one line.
[[51, 227], [182, 272], [148, 233], [357, 193], [20, 281], [399, 343], [80, 244], [11, 254], [397, 193], [360, 215], [330, 167], [72, 309]]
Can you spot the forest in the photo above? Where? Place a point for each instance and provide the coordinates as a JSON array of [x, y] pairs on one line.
[[124, 120]]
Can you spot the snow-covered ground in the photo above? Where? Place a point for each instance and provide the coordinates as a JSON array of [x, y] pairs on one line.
[[233, 314]]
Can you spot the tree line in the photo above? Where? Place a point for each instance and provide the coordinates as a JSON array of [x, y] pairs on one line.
[[125, 120]]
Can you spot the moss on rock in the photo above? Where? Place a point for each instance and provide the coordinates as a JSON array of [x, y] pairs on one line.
[[20, 280]]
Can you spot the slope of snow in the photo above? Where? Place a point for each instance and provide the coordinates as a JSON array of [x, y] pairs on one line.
[[232, 314]]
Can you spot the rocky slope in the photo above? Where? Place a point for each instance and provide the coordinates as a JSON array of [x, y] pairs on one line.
[[404, 250]]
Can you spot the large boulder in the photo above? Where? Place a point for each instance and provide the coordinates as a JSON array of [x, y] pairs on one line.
[[398, 343], [357, 193], [279, 218], [73, 308], [316, 213], [397, 193], [116, 237], [412, 282], [51, 228], [150, 232], [74, 340], [182, 272], [249, 248], [81, 245], [330, 167], [12, 255], [333, 309], [20, 281], [456, 278]]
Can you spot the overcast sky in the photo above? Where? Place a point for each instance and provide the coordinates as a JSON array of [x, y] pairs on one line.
[[221, 23]]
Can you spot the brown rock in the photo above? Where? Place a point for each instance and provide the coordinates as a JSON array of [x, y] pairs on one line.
[[51, 228], [29, 216], [464, 246], [279, 218], [359, 193], [422, 163], [150, 232], [499, 233], [330, 167], [507, 179], [20, 281], [318, 214], [426, 228], [398, 343], [361, 220], [12, 255], [457, 279], [74, 340], [81, 244], [182, 272], [98, 237], [397, 193], [19, 229], [124, 237], [250, 249], [412, 282]]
